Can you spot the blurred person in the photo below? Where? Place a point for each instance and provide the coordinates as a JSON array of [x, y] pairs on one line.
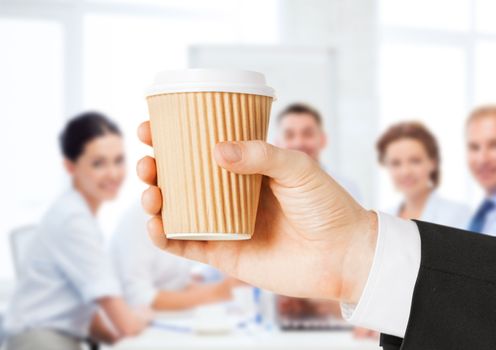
[[162, 281], [67, 289], [300, 127], [410, 153], [481, 158]]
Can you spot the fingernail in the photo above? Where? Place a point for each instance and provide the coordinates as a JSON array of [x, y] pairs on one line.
[[231, 152]]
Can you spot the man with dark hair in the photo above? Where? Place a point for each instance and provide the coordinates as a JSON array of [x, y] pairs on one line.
[[301, 127], [300, 108]]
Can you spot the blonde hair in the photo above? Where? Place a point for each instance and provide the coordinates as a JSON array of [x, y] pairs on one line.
[[481, 111]]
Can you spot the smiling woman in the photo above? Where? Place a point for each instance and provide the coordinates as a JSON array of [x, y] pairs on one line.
[[410, 153], [93, 150], [66, 275]]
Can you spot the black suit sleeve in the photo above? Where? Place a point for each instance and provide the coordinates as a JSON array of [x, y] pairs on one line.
[[389, 342], [454, 300]]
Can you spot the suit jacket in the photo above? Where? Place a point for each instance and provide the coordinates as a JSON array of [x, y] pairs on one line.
[[454, 300]]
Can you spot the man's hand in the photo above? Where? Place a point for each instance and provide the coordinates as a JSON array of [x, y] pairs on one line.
[[311, 238], [363, 333]]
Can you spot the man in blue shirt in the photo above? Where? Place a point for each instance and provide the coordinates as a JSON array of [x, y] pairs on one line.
[[481, 153]]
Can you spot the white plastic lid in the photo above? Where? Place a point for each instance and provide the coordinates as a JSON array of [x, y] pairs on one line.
[[198, 80]]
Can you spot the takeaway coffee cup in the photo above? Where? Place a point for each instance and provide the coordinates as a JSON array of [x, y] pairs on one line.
[[190, 112]]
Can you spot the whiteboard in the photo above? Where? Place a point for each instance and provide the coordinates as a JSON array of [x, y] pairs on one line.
[[298, 74]]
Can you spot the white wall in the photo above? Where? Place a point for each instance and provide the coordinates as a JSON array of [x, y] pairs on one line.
[[435, 66], [351, 27]]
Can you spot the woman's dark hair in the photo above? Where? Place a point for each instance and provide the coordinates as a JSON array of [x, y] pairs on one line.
[[300, 108], [416, 131], [83, 128]]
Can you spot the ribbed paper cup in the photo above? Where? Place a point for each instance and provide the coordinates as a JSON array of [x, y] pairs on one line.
[[202, 201]]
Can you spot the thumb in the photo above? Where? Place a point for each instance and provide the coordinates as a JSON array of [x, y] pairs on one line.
[[257, 157]]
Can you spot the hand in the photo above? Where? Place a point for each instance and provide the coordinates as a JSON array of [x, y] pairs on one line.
[[312, 239], [222, 291], [125, 321], [145, 313], [293, 308], [206, 293], [301, 308], [363, 333]]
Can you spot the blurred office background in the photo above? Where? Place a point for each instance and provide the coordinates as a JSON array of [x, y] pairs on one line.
[[364, 63]]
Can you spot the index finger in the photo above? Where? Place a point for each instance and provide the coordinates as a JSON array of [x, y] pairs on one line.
[[144, 133]]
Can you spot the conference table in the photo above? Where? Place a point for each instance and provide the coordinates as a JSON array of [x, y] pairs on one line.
[[210, 329], [156, 339]]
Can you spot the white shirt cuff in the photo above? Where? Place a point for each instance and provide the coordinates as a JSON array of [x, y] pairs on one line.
[[387, 297]]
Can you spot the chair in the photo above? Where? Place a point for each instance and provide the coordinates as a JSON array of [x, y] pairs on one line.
[[19, 241], [2, 336]]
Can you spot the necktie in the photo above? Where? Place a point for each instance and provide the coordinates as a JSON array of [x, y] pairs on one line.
[[478, 221]]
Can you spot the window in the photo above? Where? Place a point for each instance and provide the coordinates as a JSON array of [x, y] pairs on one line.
[[426, 14], [61, 57], [427, 83], [485, 10], [31, 113], [485, 72], [437, 63]]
